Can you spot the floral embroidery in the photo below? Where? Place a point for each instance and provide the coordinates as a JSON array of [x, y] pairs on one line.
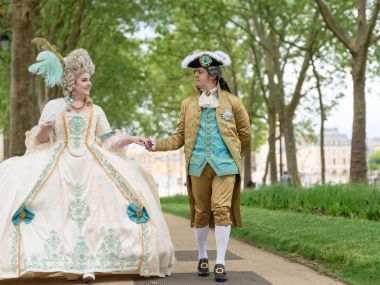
[[77, 127], [79, 211], [52, 258], [82, 256], [147, 250], [14, 250], [54, 253], [110, 257]]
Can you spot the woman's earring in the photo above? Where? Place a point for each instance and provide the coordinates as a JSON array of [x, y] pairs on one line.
[[70, 99]]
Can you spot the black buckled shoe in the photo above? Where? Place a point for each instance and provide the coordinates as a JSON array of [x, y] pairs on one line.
[[203, 269], [220, 273]]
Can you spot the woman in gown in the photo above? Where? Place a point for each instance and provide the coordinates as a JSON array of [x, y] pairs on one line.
[[72, 205]]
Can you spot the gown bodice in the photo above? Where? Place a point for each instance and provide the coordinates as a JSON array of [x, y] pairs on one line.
[[76, 130]]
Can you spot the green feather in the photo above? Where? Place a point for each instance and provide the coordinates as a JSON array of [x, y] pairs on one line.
[[48, 66]]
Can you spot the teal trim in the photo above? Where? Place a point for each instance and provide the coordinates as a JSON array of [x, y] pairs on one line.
[[107, 135], [45, 172]]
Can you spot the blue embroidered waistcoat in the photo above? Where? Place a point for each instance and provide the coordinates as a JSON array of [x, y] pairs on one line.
[[210, 148]]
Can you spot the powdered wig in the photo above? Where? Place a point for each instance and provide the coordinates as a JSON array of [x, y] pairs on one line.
[[76, 63], [215, 70]]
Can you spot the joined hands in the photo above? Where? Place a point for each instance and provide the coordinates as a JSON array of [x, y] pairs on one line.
[[145, 142]]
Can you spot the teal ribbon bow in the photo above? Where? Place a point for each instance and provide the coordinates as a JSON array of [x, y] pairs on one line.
[[23, 214], [137, 215]]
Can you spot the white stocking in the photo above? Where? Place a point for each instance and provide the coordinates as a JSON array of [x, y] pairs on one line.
[[201, 237], [222, 235]]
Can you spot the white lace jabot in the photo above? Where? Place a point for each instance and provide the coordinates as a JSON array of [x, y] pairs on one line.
[[208, 98]]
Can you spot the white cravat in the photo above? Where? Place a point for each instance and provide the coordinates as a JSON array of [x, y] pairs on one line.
[[208, 98]]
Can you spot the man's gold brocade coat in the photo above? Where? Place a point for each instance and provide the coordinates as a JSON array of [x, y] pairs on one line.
[[236, 134]]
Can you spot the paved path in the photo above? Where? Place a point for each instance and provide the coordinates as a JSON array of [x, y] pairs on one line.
[[245, 265]]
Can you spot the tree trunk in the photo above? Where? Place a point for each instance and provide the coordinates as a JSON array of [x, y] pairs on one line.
[[281, 151], [5, 146], [358, 168], [358, 45], [247, 166], [322, 140], [266, 170], [272, 146], [322, 128], [290, 148], [23, 14], [53, 93]]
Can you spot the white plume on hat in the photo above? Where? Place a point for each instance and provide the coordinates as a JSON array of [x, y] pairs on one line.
[[217, 55]]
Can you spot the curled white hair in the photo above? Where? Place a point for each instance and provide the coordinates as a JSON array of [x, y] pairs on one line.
[[76, 63]]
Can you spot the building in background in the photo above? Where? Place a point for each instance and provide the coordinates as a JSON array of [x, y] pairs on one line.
[[337, 159], [373, 144]]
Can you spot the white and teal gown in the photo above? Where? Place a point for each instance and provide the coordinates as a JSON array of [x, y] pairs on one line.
[[75, 205]]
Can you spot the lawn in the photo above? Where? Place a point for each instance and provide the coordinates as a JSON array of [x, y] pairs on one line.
[[348, 249], [346, 200]]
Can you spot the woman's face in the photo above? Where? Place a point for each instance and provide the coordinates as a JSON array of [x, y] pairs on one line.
[[83, 84]]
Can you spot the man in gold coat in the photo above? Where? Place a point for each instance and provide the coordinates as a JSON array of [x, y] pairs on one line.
[[215, 129]]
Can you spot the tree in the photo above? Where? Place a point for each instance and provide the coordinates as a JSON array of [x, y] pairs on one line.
[[23, 23], [283, 38], [358, 45], [4, 75]]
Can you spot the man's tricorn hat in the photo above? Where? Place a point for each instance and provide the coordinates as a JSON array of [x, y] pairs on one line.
[[206, 59], [211, 60]]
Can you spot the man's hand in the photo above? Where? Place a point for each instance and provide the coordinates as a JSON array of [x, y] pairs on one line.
[[150, 146], [141, 141]]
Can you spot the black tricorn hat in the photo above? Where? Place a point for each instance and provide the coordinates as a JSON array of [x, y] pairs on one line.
[[206, 59]]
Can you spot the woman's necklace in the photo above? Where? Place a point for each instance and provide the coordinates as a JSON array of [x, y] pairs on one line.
[[78, 109], [70, 102]]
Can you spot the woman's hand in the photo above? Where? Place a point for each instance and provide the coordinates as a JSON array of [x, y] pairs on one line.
[[141, 141], [43, 135], [127, 139]]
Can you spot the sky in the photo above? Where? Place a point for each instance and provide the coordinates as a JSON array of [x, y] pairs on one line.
[[342, 115]]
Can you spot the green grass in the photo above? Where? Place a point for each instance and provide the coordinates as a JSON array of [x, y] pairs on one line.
[[346, 249], [346, 200]]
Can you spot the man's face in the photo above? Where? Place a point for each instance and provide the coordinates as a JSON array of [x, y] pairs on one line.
[[202, 78]]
